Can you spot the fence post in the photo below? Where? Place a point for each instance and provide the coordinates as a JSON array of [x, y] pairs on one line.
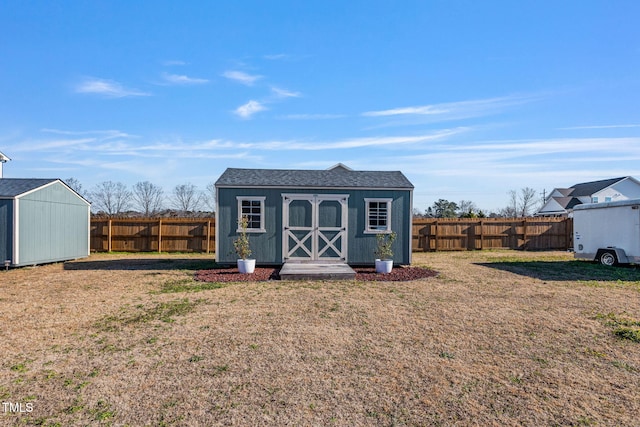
[[109, 235], [481, 234], [208, 234], [436, 235], [160, 235], [524, 234]]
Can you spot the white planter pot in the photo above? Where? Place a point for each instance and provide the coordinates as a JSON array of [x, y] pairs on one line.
[[384, 266], [246, 266]]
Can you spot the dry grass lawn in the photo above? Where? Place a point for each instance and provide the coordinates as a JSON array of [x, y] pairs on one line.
[[498, 338]]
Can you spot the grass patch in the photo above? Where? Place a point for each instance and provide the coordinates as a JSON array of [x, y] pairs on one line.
[[187, 285], [163, 311], [631, 334], [20, 368], [103, 411], [623, 326], [588, 273]]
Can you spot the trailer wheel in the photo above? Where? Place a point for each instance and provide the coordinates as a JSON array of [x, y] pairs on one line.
[[608, 258]]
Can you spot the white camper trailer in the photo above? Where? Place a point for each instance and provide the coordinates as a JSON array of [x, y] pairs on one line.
[[607, 232]]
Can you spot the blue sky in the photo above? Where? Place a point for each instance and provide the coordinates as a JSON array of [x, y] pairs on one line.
[[469, 99]]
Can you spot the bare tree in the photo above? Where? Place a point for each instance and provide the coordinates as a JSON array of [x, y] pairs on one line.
[[466, 208], [187, 198], [110, 197], [209, 196], [520, 203], [527, 201], [148, 197], [75, 185]]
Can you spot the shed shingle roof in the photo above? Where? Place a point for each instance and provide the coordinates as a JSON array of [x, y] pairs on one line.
[[337, 177], [13, 187]]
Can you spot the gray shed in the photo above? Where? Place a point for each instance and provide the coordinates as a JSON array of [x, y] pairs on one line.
[[314, 215], [41, 221]]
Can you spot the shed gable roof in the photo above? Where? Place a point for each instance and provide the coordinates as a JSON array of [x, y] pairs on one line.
[[339, 177], [13, 187]]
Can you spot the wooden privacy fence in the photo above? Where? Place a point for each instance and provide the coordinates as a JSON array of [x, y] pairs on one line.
[[153, 234], [429, 234], [439, 234]]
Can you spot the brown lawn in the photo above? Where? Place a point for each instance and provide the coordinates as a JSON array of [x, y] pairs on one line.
[[498, 338]]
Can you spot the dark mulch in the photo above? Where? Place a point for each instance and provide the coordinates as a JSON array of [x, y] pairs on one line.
[[398, 274], [260, 274], [363, 274]]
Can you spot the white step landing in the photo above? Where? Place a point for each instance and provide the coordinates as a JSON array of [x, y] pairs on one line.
[[316, 271]]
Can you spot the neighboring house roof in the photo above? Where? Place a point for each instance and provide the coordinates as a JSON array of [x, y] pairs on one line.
[[339, 176], [571, 196], [3, 158], [564, 191], [589, 188], [13, 187]]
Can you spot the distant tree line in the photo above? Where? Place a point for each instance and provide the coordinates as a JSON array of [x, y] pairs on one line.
[[146, 199], [521, 203]]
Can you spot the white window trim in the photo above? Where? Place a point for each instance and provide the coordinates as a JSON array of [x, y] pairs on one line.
[[261, 199], [366, 213]]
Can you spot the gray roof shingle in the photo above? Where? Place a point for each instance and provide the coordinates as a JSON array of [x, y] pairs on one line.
[[13, 187], [589, 188], [337, 177]]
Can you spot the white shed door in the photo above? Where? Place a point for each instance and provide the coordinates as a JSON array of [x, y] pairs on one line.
[[314, 227]]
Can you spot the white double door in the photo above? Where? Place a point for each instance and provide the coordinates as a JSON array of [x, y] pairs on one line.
[[314, 227]]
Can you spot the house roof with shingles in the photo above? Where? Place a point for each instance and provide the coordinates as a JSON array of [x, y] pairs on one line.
[[13, 187], [337, 177], [589, 188]]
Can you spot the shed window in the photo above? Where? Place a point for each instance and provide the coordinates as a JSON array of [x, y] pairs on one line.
[[253, 209], [594, 199], [378, 213]]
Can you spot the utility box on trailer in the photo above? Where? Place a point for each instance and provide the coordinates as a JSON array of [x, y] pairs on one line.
[[607, 232]]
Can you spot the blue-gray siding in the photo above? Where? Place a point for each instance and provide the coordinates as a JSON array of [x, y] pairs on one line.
[[52, 225], [267, 247]]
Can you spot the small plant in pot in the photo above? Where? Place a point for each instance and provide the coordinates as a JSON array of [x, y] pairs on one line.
[[241, 245], [384, 252]]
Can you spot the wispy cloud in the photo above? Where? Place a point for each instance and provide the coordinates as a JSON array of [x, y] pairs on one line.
[[71, 140], [178, 79], [173, 62], [277, 56], [602, 127], [249, 109], [242, 77], [424, 110], [312, 116], [102, 134], [107, 88], [382, 141], [284, 93], [455, 110]]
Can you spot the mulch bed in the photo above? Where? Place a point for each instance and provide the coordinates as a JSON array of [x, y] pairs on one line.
[[363, 274]]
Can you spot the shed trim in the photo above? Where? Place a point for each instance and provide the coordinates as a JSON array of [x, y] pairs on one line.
[[16, 232], [75, 193], [367, 229], [337, 188]]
